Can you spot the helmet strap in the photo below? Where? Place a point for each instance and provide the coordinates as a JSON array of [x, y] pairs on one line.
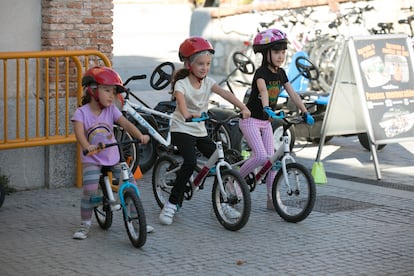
[[269, 55], [93, 91]]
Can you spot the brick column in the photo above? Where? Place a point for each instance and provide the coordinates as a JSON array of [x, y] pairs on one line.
[[77, 25]]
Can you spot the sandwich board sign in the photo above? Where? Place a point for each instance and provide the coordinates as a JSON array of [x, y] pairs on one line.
[[373, 92]]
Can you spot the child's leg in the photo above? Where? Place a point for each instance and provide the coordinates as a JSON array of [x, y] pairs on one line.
[[91, 175], [268, 142], [252, 132]]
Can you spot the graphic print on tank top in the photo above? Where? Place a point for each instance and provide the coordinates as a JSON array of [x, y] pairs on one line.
[[273, 88]]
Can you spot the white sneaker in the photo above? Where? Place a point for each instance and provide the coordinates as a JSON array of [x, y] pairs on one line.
[[150, 229], [167, 213], [82, 233], [229, 211]]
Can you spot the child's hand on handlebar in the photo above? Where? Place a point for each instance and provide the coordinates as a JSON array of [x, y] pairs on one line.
[[202, 117], [245, 112], [272, 115], [308, 118], [144, 138], [93, 149]]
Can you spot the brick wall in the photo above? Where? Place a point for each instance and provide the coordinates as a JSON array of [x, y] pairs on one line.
[[77, 25]]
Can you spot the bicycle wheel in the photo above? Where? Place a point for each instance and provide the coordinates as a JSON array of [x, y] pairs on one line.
[[364, 141], [134, 218], [277, 126], [222, 134], [163, 177], [129, 150], [2, 194], [103, 212], [295, 201], [232, 210]]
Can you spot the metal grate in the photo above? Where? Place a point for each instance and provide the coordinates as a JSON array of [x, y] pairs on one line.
[[332, 204]]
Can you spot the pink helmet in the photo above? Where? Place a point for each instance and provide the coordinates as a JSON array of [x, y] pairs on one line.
[[271, 38]]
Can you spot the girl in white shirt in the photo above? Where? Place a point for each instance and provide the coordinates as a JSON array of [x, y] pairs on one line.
[[192, 89]]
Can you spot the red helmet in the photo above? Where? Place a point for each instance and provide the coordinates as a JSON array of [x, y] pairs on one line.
[[194, 45], [102, 75], [271, 38]]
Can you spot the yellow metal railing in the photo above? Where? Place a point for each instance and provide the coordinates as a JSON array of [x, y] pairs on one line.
[[40, 91]]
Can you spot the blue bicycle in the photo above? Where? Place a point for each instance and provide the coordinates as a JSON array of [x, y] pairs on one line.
[[123, 196]]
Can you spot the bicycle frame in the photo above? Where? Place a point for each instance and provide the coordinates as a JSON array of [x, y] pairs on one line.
[[131, 109], [211, 166], [111, 188], [216, 158], [283, 153]]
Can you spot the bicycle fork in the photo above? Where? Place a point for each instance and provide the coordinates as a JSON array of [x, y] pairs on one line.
[[221, 163], [283, 151]]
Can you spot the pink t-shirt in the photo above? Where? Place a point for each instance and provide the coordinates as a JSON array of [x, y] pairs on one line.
[[99, 129]]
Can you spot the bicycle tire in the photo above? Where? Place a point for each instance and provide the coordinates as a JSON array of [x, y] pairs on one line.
[[134, 218], [296, 206], [277, 126], [146, 154], [238, 198], [364, 141], [103, 212], [222, 134], [2, 194], [163, 177]]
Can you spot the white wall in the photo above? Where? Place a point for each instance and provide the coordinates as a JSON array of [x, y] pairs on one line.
[[20, 25]]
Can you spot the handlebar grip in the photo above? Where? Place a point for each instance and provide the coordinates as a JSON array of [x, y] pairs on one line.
[[139, 77], [274, 115], [204, 117], [100, 146]]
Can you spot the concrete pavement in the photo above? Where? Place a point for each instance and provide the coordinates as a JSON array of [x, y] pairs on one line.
[[354, 229]]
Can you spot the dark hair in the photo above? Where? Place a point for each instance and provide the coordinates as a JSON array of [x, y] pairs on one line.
[[179, 75], [86, 98]]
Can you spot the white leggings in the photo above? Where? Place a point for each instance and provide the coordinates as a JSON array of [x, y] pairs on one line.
[[259, 137]]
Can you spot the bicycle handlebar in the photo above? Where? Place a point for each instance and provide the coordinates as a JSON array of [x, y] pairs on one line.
[[206, 117], [137, 77], [102, 146], [279, 115]]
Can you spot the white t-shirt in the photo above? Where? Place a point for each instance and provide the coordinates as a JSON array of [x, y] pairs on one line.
[[197, 102]]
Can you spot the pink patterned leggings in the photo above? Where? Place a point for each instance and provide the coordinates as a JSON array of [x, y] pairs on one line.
[[259, 137]]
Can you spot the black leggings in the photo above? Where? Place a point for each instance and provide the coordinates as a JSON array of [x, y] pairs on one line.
[[186, 145]]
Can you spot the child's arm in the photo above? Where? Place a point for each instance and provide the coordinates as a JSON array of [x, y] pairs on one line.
[[228, 96], [182, 106], [81, 138], [264, 95], [133, 130]]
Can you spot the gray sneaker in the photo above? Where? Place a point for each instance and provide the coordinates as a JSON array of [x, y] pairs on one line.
[[229, 211], [82, 232]]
